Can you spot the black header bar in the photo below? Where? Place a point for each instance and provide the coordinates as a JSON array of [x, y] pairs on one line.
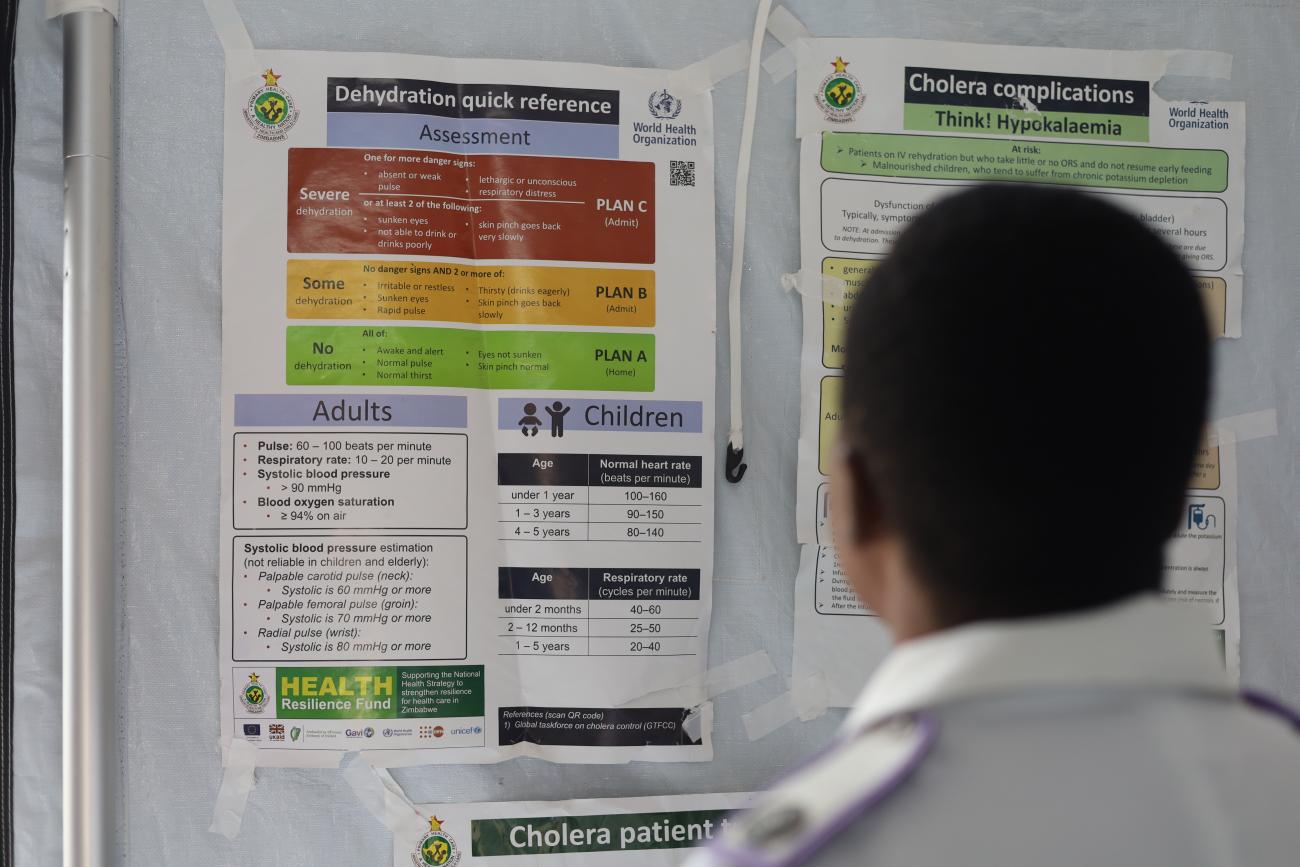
[[596, 726], [1009, 90], [448, 99], [607, 471], [637, 585]]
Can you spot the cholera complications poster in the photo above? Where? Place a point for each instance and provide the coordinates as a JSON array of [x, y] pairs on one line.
[[467, 509], [888, 126]]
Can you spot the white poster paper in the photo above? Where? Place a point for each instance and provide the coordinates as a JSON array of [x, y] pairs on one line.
[[651, 831], [887, 127], [466, 446], [1201, 558]]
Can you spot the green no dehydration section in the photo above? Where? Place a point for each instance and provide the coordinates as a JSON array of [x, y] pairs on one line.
[[1128, 167], [469, 358]]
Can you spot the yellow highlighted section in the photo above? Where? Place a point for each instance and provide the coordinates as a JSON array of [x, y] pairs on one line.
[[828, 413], [836, 306], [1214, 292], [1205, 468], [369, 289], [853, 272]]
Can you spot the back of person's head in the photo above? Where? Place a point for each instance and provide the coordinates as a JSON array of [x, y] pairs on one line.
[[1025, 387]]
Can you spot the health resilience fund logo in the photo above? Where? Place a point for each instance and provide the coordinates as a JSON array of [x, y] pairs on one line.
[[270, 111], [840, 94]]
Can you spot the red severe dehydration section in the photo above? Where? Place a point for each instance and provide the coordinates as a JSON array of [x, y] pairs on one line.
[[427, 203]]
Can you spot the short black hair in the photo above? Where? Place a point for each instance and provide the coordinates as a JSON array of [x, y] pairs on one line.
[[1025, 388]]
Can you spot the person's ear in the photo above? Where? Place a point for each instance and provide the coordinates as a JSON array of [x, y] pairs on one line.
[[856, 508], [868, 514]]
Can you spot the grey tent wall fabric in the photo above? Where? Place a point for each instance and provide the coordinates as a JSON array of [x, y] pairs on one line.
[[37, 329], [8, 27], [170, 215]]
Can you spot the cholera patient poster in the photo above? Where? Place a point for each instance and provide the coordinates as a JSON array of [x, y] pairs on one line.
[[638, 832], [467, 500], [888, 126]]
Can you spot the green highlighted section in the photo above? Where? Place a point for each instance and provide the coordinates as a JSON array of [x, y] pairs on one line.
[[616, 832], [383, 692], [469, 358], [986, 159], [1033, 124]]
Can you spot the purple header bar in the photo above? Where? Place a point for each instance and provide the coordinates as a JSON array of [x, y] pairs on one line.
[[615, 414], [350, 410], [471, 136]]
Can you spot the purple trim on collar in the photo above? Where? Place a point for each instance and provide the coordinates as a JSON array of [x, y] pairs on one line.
[[929, 729], [739, 857], [929, 734], [1266, 703]]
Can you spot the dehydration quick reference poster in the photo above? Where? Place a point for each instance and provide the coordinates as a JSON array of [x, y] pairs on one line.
[[638, 832], [467, 500], [889, 126]]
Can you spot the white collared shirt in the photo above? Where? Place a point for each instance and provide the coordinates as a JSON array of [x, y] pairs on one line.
[[1140, 643], [1111, 738]]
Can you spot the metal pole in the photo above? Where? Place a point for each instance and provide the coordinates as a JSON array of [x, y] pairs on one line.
[[91, 769]]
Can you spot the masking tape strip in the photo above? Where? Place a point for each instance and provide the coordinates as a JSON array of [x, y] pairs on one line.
[[1243, 428], [236, 783], [781, 64], [712, 683], [58, 8], [384, 798], [826, 287], [806, 701], [239, 759], [1196, 63], [229, 26], [693, 725], [786, 26], [790, 32], [704, 74]]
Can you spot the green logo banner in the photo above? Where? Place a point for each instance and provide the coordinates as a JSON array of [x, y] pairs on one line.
[[385, 692], [616, 832]]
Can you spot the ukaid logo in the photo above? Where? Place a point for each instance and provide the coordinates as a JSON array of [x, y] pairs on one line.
[[253, 696], [437, 848], [270, 111], [840, 94]]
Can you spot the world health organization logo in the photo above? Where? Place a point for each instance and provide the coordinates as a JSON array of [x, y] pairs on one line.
[[437, 848], [664, 105], [270, 111], [840, 94]]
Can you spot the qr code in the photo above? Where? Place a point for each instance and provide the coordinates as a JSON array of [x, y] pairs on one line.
[[681, 173]]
